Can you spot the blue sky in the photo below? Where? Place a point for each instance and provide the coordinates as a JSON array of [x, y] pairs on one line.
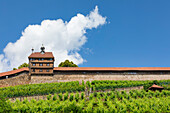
[[137, 33]]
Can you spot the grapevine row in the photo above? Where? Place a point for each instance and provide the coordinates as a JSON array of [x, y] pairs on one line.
[[115, 102]]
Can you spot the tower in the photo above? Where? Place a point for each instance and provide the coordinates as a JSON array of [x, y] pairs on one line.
[[41, 63]]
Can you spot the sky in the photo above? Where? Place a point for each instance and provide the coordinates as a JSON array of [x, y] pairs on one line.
[[91, 33]]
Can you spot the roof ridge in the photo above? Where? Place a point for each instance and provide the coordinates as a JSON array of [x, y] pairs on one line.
[[14, 71]]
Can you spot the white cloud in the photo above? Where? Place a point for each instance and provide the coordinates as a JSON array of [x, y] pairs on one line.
[[64, 39]]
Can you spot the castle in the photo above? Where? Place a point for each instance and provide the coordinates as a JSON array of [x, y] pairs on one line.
[[41, 70]]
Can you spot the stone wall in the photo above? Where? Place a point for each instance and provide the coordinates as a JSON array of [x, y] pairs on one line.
[[86, 77], [24, 78], [20, 79]]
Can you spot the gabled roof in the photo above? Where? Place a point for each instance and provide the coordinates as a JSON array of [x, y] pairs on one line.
[[92, 69], [112, 69], [39, 55], [156, 86], [14, 71]]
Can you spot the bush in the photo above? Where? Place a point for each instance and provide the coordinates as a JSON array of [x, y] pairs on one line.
[[49, 97], [71, 97], [82, 95], [77, 96], [55, 97], [66, 96], [60, 96], [5, 107]]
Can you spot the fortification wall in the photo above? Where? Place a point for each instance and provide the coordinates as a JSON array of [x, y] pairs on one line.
[[90, 77], [20, 79], [24, 78]]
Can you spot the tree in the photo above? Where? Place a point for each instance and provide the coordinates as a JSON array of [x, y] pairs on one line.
[[14, 68], [67, 63], [21, 66]]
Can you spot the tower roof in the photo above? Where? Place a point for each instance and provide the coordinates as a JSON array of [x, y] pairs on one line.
[[39, 55]]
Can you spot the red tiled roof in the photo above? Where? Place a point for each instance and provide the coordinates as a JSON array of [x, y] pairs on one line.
[[93, 69], [14, 71], [39, 55], [156, 86], [112, 69]]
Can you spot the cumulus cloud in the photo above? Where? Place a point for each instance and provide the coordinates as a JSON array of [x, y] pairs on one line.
[[63, 38]]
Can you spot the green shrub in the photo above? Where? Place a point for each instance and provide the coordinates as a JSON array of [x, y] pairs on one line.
[[5, 106], [55, 97], [60, 95], [71, 97], [66, 96], [49, 97], [82, 95], [77, 96]]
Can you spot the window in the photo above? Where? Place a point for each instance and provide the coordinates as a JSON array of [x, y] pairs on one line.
[[51, 59], [48, 64], [30, 58], [48, 70], [42, 59], [40, 70], [41, 64], [33, 70], [130, 73], [33, 59], [33, 64]]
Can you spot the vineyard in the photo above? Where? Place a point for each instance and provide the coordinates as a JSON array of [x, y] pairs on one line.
[[41, 89], [72, 97], [111, 84], [62, 87], [114, 101]]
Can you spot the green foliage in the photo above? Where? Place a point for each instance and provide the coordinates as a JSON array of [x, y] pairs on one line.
[[41, 89], [111, 103], [21, 66], [5, 106], [14, 68], [67, 63], [91, 96], [82, 95], [83, 82], [77, 96], [71, 97], [66, 96], [111, 84], [49, 97], [55, 97], [88, 84], [60, 96]]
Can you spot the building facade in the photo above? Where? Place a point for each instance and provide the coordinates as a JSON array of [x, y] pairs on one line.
[[41, 63]]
